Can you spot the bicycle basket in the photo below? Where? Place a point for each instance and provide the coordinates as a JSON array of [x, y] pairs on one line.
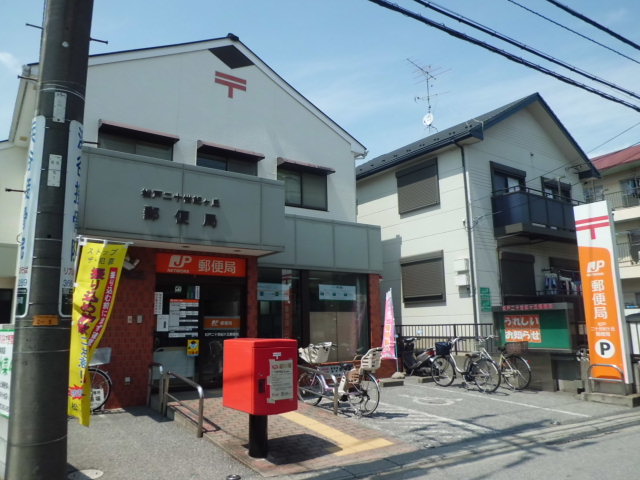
[[443, 348], [516, 348], [101, 356], [318, 353]]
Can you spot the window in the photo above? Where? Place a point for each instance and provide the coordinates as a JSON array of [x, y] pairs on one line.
[[630, 194], [554, 188], [315, 306], [305, 185], [229, 159], [423, 278], [593, 193], [506, 179], [123, 138], [418, 187], [517, 274]]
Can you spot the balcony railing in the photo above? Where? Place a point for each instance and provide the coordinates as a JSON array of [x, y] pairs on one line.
[[616, 199], [622, 199], [533, 213]]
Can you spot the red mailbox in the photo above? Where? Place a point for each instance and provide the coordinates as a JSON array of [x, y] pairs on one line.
[[259, 375]]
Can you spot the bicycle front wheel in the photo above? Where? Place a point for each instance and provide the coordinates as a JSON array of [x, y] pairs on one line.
[[364, 396], [486, 375], [310, 388], [516, 372], [100, 388], [442, 371]]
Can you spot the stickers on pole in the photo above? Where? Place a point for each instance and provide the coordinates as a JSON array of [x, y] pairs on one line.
[[29, 213]]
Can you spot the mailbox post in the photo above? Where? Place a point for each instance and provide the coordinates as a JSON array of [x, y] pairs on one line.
[[259, 378]]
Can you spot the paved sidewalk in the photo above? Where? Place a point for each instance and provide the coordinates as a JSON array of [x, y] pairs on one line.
[[308, 440], [313, 443]]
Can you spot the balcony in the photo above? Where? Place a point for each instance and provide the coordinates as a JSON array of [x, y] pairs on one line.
[[533, 214]]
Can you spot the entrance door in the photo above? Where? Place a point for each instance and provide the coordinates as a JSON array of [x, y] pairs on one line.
[[209, 309], [221, 317]]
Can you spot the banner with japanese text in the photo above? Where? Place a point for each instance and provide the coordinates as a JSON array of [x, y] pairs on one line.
[[601, 292], [94, 295], [389, 333]]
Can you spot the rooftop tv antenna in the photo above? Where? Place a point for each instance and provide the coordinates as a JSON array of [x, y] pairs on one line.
[[429, 75]]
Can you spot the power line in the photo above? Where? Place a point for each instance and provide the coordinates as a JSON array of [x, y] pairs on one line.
[[595, 24], [614, 137], [504, 38], [573, 31], [503, 53]]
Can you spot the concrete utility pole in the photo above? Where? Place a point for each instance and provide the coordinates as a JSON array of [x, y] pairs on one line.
[[37, 437]]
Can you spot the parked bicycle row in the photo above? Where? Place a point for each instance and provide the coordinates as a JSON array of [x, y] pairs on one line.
[[478, 366], [354, 384]]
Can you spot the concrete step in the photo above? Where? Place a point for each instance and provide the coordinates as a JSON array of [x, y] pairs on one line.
[[391, 382], [632, 400]]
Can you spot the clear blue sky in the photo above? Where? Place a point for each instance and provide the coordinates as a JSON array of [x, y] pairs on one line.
[[350, 58]]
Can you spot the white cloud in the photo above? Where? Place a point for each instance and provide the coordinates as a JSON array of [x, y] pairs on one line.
[[10, 62]]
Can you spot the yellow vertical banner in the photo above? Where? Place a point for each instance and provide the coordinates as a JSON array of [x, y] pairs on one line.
[[94, 295]]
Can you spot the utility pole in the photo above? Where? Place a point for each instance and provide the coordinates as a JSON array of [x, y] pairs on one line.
[[37, 437]]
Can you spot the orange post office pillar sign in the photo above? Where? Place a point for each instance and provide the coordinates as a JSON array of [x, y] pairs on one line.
[[601, 293]]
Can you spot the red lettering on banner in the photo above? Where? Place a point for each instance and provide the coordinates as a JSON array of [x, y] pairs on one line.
[[591, 224]]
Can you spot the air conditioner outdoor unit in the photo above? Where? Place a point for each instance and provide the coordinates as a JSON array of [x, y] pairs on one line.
[[461, 264]]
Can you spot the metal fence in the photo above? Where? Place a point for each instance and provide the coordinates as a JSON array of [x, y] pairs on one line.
[[633, 322], [427, 335]]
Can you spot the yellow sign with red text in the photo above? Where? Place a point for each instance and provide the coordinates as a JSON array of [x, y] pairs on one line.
[[93, 298], [600, 290]]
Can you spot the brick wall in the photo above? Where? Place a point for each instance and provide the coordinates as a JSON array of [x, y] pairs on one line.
[[376, 320], [132, 343]]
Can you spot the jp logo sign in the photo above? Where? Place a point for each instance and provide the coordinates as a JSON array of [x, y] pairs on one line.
[[179, 261]]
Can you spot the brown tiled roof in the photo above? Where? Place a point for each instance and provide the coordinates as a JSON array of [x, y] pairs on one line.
[[610, 160]]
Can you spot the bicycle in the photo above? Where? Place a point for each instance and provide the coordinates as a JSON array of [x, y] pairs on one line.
[[100, 380], [357, 386], [515, 370], [479, 367]]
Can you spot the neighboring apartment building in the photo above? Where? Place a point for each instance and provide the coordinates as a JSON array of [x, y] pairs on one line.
[[12, 166], [620, 187], [205, 159], [477, 226]]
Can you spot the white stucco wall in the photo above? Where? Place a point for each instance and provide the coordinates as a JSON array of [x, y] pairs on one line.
[[173, 90], [12, 165], [428, 230], [177, 94], [520, 142]]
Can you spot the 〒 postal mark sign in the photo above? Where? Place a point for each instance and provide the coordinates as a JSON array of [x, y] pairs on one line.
[[600, 285]]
